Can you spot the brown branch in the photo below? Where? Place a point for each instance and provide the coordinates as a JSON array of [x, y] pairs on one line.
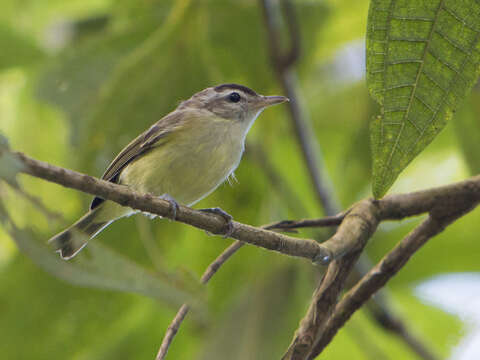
[[350, 239], [387, 319], [282, 63], [172, 331], [212, 223], [344, 246], [440, 201], [378, 307], [445, 204], [310, 148], [183, 311], [378, 276], [306, 223]]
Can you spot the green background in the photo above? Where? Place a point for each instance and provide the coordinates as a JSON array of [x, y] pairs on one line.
[[79, 79]]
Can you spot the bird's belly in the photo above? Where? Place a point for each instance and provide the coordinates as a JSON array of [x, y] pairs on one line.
[[188, 177]]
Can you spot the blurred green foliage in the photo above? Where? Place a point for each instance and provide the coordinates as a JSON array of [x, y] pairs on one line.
[[82, 78]]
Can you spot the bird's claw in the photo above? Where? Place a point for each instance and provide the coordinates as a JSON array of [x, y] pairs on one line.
[[228, 219], [173, 206]]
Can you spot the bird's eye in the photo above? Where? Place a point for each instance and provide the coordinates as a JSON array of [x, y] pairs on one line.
[[234, 97]]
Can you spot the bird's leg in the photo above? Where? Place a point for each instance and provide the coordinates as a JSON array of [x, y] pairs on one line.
[[173, 205], [228, 219]]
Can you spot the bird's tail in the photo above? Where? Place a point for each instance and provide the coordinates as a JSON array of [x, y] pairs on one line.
[[70, 241]]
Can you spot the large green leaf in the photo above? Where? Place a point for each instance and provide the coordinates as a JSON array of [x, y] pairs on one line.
[[422, 59], [103, 268]]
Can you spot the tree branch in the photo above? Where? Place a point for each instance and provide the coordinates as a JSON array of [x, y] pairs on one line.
[[283, 64], [306, 223], [444, 204], [387, 319], [439, 201], [212, 223], [378, 276], [183, 311], [350, 239]]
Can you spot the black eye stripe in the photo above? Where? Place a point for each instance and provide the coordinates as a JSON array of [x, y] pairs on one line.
[[234, 97]]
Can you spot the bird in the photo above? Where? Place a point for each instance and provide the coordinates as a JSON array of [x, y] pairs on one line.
[[182, 158]]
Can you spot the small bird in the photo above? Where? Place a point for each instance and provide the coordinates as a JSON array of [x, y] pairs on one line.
[[183, 157]]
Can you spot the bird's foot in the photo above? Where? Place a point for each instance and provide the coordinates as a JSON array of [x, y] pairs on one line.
[[173, 206], [228, 219]]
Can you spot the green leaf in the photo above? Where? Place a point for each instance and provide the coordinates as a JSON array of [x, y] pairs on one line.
[[422, 59], [17, 49], [103, 268]]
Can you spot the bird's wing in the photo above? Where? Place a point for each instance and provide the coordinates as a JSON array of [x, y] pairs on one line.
[[139, 146]]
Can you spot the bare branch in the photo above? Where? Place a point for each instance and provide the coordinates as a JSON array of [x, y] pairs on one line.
[[350, 239], [183, 311], [220, 260], [293, 53], [212, 223], [377, 277], [387, 319], [439, 201], [172, 331], [378, 306], [445, 204], [306, 223], [303, 131]]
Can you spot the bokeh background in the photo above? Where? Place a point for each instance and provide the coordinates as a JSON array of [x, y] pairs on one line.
[[80, 78]]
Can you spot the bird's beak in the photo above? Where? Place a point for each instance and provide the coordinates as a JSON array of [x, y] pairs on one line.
[[266, 101]]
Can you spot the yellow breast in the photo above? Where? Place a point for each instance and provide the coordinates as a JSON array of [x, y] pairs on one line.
[[189, 165]]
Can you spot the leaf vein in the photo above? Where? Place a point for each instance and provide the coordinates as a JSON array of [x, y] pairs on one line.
[[408, 39], [452, 42], [446, 64], [459, 18], [419, 71], [450, 87], [412, 18]]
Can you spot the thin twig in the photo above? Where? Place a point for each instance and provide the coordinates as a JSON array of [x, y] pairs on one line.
[[282, 62], [172, 331], [220, 260], [388, 320], [306, 223], [183, 311]]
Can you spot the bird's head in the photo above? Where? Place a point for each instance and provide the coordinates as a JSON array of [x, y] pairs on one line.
[[232, 102]]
